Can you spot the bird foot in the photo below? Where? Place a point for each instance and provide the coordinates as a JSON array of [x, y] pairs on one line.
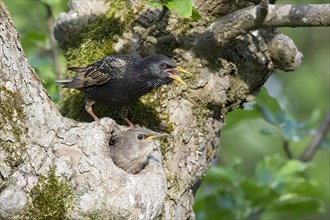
[[91, 113], [130, 124], [89, 109]]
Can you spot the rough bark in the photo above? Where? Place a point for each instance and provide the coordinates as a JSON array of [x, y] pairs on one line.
[[35, 136]]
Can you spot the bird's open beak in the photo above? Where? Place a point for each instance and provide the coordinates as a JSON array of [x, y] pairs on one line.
[[180, 69], [175, 77], [160, 135]]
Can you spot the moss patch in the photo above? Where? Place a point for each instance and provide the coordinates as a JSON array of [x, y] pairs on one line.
[[51, 198], [12, 127], [97, 39]]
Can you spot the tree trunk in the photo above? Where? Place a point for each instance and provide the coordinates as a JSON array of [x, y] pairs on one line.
[[53, 164]]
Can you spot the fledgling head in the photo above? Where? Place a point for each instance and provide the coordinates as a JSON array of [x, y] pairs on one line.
[[161, 69], [131, 148]]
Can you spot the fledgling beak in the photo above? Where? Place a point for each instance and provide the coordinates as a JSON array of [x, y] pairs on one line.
[[180, 69], [158, 135], [175, 77]]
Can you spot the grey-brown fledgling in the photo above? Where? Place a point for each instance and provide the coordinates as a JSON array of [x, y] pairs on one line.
[[131, 149]]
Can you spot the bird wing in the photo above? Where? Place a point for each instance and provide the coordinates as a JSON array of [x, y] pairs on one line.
[[100, 71], [97, 73]]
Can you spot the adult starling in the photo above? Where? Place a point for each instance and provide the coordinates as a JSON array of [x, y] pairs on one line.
[[122, 79], [131, 149]]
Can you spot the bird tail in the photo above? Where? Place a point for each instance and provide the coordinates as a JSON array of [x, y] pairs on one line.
[[63, 81], [76, 82], [66, 83], [77, 69]]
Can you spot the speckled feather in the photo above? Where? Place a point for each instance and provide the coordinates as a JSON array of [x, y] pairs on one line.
[[100, 71], [120, 80]]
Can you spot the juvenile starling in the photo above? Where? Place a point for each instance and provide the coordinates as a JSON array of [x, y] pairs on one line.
[[131, 149], [120, 80]]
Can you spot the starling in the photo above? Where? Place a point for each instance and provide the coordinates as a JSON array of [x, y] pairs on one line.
[[131, 149], [120, 80]]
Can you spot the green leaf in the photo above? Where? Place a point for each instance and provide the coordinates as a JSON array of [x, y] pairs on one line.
[[182, 7], [292, 129], [304, 187], [292, 205], [259, 195], [270, 103], [269, 132], [237, 116], [291, 168], [266, 170], [195, 14], [223, 176], [154, 3], [280, 189], [268, 115], [222, 205]]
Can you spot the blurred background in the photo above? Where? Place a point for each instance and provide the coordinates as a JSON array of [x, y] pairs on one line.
[[258, 174]]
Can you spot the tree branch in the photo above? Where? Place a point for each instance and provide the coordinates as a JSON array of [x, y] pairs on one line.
[[318, 137], [247, 19]]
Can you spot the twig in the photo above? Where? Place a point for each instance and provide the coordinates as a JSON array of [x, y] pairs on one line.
[[287, 149], [317, 139]]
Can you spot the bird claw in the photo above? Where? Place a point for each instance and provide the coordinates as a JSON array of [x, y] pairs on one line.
[[130, 124]]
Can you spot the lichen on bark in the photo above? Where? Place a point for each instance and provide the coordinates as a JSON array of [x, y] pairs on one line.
[[13, 130], [50, 198]]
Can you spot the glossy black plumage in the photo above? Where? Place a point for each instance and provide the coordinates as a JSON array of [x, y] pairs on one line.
[[120, 80]]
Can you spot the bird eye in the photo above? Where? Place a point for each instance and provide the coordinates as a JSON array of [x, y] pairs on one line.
[[162, 65], [140, 136]]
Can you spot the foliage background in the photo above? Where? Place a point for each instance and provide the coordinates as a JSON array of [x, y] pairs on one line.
[[252, 177]]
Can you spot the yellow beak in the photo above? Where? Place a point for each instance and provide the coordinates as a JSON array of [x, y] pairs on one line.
[[180, 69], [156, 136], [175, 77]]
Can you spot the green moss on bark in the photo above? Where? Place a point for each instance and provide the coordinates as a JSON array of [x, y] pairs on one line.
[[12, 127], [97, 39], [51, 198]]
